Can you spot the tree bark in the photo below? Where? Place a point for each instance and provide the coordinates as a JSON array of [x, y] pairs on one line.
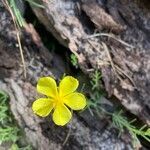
[[40, 132], [121, 50]]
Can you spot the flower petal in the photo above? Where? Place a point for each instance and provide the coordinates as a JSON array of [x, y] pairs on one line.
[[75, 101], [61, 115], [42, 106], [47, 86], [68, 85]]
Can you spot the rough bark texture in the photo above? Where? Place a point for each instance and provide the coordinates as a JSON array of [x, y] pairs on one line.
[[125, 67], [42, 133]]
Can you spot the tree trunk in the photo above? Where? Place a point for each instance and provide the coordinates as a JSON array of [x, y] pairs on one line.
[[120, 49], [40, 132]]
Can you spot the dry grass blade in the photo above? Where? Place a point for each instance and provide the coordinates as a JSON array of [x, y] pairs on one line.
[[117, 70], [124, 73], [17, 34], [110, 36], [68, 134], [110, 59]]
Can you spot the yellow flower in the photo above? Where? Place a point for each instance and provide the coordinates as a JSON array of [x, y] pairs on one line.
[[58, 98]]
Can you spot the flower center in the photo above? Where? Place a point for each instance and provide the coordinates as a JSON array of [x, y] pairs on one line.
[[58, 101]]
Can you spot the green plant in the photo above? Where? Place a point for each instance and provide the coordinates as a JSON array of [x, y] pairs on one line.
[[9, 132], [19, 18], [96, 77], [74, 60], [16, 147], [3, 108], [96, 94], [122, 123], [94, 103], [35, 3], [20, 21], [119, 121]]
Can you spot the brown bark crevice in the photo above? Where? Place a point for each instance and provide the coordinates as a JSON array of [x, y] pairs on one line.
[[125, 69], [40, 132]]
